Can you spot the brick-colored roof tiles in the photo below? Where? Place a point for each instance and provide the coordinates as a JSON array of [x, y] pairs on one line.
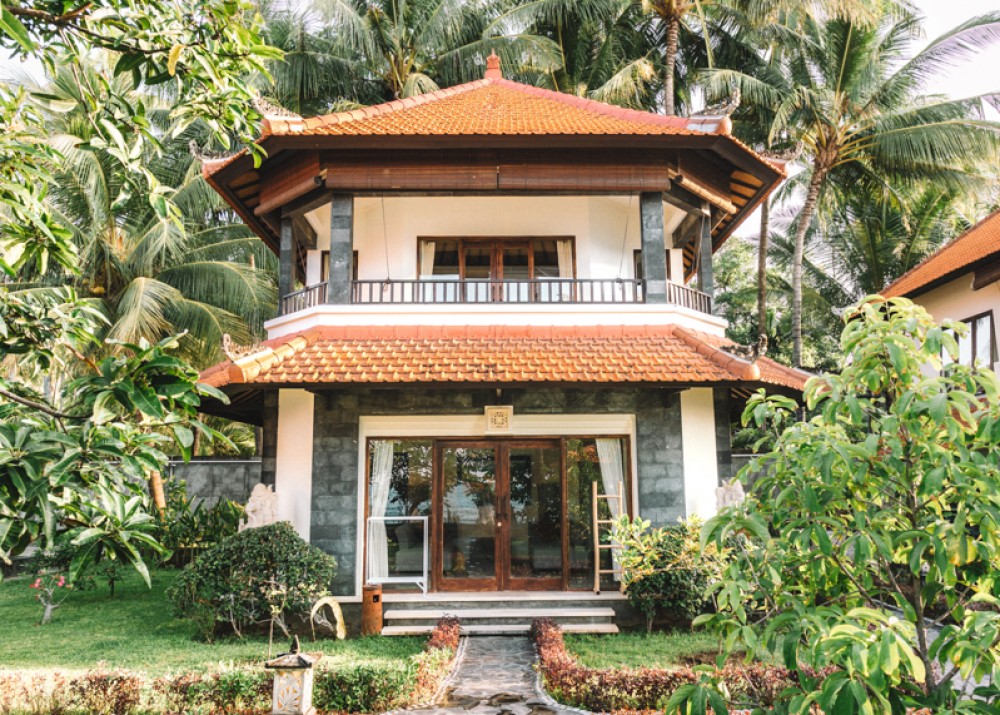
[[498, 355], [979, 242], [491, 107]]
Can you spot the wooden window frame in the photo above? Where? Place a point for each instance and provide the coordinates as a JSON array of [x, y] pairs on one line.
[[434, 527], [462, 241], [324, 266]]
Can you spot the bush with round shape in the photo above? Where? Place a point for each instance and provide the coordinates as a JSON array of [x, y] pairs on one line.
[[251, 578]]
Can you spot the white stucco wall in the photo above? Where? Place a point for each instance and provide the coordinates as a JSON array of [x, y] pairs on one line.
[[701, 467], [605, 229], [956, 300], [293, 472]]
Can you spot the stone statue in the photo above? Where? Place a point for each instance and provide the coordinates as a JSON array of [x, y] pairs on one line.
[[261, 508], [729, 494]]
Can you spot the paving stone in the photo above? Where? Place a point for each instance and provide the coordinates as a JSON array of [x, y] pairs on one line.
[[496, 677]]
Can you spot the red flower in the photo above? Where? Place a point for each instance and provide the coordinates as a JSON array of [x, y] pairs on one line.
[[36, 584]]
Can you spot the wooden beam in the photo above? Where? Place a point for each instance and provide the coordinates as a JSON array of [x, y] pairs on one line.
[[686, 232], [683, 199], [320, 196], [706, 279], [986, 275]]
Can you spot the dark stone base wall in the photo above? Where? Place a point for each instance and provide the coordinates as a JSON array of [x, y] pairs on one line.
[[334, 526], [209, 480]]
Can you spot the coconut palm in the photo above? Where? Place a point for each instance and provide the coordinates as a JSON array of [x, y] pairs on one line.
[[848, 93], [408, 47], [200, 271]]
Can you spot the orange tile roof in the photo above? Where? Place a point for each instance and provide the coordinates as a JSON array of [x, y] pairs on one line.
[[979, 242], [499, 355], [494, 107]]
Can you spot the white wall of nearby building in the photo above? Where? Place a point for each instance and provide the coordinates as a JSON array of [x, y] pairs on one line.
[[293, 471], [605, 229], [956, 300], [701, 465]]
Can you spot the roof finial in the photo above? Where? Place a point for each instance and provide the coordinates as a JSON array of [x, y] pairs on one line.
[[493, 67]]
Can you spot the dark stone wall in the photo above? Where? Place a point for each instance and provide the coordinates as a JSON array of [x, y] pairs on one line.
[[210, 480], [723, 435], [334, 526]]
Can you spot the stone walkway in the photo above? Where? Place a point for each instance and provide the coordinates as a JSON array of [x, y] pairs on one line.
[[496, 676]]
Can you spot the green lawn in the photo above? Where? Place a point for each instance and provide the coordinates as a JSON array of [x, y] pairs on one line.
[[636, 650], [136, 630]]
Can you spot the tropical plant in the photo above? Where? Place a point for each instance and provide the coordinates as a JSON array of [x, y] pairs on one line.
[[99, 435], [848, 93], [202, 53], [201, 273], [408, 48], [872, 528], [114, 527]]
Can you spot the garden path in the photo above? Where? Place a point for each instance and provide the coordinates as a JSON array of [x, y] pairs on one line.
[[496, 676]]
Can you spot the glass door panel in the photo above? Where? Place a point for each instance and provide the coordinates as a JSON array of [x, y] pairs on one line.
[[533, 523], [479, 268], [516, 266], [467, 554]]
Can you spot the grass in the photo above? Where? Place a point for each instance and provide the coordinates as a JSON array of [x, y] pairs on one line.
[[636, 650], [137, 630]]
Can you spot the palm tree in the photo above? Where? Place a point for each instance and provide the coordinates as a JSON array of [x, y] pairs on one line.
[[846, 91], [201, 272], [408, 47]]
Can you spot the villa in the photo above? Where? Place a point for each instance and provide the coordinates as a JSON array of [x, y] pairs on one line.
[[488, 342]]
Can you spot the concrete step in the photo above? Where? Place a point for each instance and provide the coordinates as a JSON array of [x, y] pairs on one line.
[[499, 629], [469, 614]]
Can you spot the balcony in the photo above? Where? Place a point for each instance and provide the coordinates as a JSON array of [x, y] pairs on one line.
[[547, 291]]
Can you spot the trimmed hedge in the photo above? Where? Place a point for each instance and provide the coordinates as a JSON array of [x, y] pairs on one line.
[[638, 689], [237, 691]]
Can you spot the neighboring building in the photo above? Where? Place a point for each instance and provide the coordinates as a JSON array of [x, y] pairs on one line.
[[494, 317], [961, 281]]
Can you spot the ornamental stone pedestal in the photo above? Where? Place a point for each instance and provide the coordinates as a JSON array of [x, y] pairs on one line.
[[293, 681]]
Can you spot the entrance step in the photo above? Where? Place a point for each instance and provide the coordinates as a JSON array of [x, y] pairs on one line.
[[500, 629], [496, 619]]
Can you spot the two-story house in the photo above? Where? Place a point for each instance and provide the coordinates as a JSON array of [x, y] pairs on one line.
[[961, 281], [487, 338]]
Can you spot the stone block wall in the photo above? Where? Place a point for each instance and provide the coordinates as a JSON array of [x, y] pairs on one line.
[[336, 433], [210, 480]]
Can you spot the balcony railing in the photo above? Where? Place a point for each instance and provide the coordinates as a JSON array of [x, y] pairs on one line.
[[537, 290], [302, 299], [533, 291]]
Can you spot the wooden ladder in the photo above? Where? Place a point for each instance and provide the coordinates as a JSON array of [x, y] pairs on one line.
[[598, 523]]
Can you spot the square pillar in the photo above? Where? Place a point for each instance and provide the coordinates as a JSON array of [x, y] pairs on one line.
[[341, 267], [654, 248], [286, 262], [706, 279]]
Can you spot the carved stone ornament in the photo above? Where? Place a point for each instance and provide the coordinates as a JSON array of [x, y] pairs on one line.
[[261, 508], [729, 494], [293, 681]]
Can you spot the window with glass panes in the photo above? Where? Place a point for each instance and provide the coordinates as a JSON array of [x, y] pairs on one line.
[[978, 345]]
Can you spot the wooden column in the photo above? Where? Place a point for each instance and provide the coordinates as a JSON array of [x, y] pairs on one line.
[[286, 262], [706, 279], [341, 266], [654, 248]]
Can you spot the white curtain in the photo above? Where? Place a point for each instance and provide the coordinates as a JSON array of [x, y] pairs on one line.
[[378, 501], [564, 254], [427, 259], [609, 454]]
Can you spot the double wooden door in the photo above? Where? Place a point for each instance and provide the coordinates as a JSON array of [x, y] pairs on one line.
[[499, 516]]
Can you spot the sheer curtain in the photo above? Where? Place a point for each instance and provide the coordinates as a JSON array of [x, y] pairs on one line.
[[427, 259], [378, 501], [564, 254], [609, 454]]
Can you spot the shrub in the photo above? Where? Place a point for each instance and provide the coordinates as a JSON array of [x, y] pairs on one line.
[[190, 528], [616, 689], [236, 580], [364, 688], [115, 692], [665, 570], [446, 634]]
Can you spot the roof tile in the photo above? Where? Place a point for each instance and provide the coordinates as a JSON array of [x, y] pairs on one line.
[[498, 354], [979, 242]]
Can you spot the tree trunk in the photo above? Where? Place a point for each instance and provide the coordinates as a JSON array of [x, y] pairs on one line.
[[196, 444], [765, 235], [808, 209], [47, 614], [673, 29], [156, 491]]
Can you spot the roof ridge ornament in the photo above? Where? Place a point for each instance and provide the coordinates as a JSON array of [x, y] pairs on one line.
[[493, 70]]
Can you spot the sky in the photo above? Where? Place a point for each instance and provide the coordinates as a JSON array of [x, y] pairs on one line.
[[976, 76]]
